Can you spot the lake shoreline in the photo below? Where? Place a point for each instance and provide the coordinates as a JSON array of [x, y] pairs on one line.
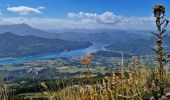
[[73, 53]]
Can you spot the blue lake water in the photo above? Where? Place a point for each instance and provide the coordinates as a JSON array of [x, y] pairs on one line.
[[75, 53]]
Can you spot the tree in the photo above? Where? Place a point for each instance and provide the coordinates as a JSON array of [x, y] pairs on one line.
[[86, 60]]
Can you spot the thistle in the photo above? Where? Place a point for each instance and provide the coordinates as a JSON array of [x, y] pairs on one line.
[[162, 57]]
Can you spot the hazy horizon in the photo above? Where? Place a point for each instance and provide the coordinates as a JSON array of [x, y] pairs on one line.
[[78, 14]]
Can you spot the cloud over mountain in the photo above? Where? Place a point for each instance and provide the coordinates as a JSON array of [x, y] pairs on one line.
[[85, 20], [24, 10], [104, 18], [108, 18]]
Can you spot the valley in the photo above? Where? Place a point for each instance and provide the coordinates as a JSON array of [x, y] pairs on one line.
[[84, 50], [30, 59], [14, 46]]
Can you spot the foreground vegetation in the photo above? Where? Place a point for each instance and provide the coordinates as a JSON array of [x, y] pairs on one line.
[[136, 81], [133, 81]]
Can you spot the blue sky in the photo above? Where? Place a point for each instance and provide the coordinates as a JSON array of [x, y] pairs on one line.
[[85, 13]]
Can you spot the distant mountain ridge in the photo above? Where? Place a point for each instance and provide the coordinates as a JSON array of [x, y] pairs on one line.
[[12, 45], [105, 35], [25, 29], [91, 35], [138, 47], [137, 42]]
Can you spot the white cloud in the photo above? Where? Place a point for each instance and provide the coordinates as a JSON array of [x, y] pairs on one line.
[[24, 10], [105, 18], [111, 20], [72, 15], [87, 20], [48, 24], [108, 18]]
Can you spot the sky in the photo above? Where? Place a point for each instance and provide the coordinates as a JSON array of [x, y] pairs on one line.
[[89, 14]]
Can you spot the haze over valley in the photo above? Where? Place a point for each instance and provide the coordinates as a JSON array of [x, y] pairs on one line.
[[84, 50]]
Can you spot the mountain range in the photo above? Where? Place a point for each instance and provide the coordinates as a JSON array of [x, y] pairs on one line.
[[138, 47], [91, 35], [12, 45], [24, 40], [25, 29], [102, 35]]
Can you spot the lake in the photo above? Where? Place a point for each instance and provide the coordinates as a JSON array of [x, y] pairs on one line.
[[74, 53]]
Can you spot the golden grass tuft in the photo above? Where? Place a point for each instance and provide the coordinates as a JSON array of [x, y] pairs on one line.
[[3, 91], [112, 88]]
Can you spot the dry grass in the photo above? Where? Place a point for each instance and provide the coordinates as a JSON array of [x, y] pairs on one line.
[[3, 91], [132, 82], [136, 86], [129, 84], [112, 88]]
